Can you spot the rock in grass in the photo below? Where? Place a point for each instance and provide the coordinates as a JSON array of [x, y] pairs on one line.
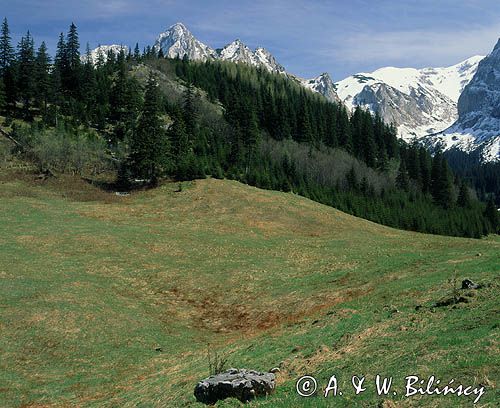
[[243, 384], [468, 284]]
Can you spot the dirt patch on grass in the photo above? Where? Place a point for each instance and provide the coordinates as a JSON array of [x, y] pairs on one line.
[[71, 187], [250, 317]]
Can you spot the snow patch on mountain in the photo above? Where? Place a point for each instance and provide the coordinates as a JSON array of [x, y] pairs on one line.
[[103, 51], [178, 41], [418, 101], [323, 85], [238, 52], [479, 113]]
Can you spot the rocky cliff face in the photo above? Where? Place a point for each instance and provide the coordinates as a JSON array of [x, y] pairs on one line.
[[478, 125], [479, 103], [323, 85], [419, 101], [178, 41]]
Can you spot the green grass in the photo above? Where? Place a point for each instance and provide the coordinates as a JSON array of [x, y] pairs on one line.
[[91, 284]]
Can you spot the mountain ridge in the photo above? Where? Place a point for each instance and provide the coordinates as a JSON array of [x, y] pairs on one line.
[[178, 41], [423, 103], [477, 128], [429, 95]]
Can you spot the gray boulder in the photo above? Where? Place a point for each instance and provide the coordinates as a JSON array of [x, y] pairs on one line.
[[468, 284], [242, 384]]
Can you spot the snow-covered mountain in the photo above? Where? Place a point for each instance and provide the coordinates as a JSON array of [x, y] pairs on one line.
[[239, 52], [104, 50], [478, 125], [178, 41], [434, 105], [323, 85], [419, 101]]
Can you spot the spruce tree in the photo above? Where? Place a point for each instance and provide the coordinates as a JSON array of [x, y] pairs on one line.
[[26, 71], [413, 164], [7, 54], [368, 143], [491, 214], [305, 133], [60, 68], [72, 76], [149, 145], [441, 186], [425, 169], [42, 77], [89, 85], [463, 199], [402, 181], [60, 60], [124, 100], [137, 53], [181, 146], [189, 111]]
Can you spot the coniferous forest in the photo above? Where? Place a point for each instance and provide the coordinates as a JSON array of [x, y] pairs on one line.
[[145, 118]]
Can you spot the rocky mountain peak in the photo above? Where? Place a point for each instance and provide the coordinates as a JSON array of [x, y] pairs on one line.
[[177, 41], [478, 125], [102, 51], [323, 85]]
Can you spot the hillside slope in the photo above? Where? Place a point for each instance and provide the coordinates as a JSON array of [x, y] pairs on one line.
[[111, 301]]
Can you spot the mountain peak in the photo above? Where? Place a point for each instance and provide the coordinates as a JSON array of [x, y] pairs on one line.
[[102, 51], [179, 25], [178, 41], [237, 51], [323, 85], [177, 30]]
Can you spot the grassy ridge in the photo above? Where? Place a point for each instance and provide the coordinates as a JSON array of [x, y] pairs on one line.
[[92, 284]]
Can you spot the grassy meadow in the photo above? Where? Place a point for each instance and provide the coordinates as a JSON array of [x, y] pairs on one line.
[[109, 301]]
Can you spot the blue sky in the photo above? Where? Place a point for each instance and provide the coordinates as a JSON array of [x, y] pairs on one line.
[[307, 37]]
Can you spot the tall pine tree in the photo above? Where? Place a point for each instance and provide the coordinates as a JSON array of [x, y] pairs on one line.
[[72, 74], [42, 78], [441, 185], [7, 54], [149, 144], [26, 71]]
